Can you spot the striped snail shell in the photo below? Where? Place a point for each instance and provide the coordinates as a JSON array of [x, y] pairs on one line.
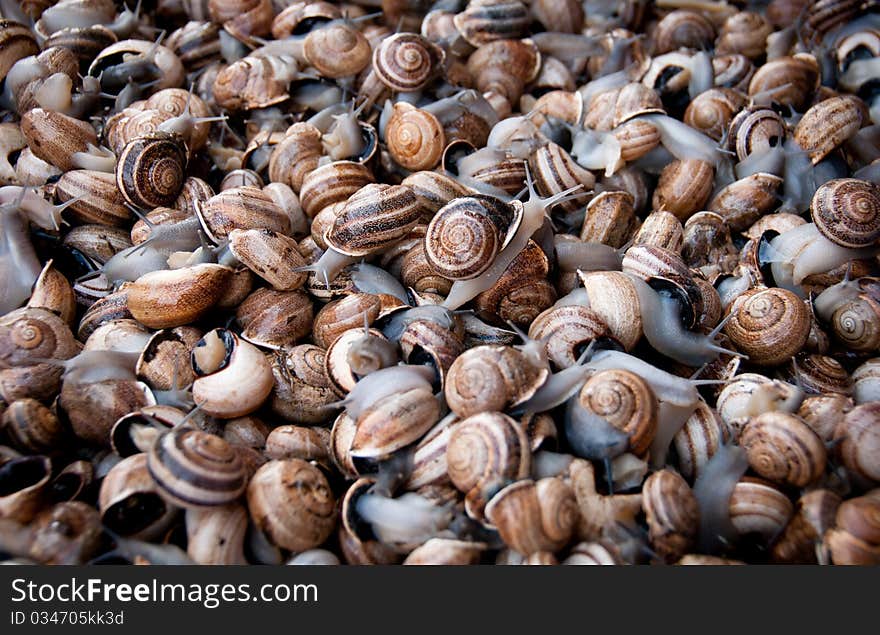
[[415, 137], [699, 439], [332, 183], [554, 171], [406, 62], [711, 112], [16, 42], [755, 129], [847, 212], [855, 539], [567, 331], [337, 50], [856, 324], [464, 237], [151, 170], [769, 325], [859, 442], [828, 124], [672, 513], [759, 508], [32, 427], [196, 469], [686, 29], [375, 217], [624, 400], [535, 516], [292, 503], [489, 20], [486, 452], [782, 448]]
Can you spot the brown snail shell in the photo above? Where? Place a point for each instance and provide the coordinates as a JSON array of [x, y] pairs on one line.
[[759, 508], [858, 435], [272, 256], [56, 138], [375, 217], [415, 137], [683, 29], [534, 516], [684, 187], [567, 331], [66, 533], [275, 319], [742, 202], [100, 201], [711, 112], [661, 229], [338, 316], [554, 171], [486, 452], [332, 183], [613, 297], [744, 32], [610, 218], [302, 389], [24, 482], [769, 325], [733, 71], [783, 449], [755, 129], [625, 401], [195, 469], [847, 212], [856, 324], [486, 21], [464, 236], [505, 67], [234, 377], [406, 62], [814, 515], [16, 42], [32, 427], [253, 82], [828, 124], [53, 292], [856, 538], [445, 551], [151, 169], [337, 50], [426, 341], [672, 513], [793, 80], [241, 208], [490, 378], [196, 44], [130, 503], [169, 298], [296, 155], [92, 408], [164, 361], [216, 535], [292, 503], [699, 439], [394, 422]]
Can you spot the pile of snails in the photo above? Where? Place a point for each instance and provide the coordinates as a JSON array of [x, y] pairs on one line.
[[463, 282]]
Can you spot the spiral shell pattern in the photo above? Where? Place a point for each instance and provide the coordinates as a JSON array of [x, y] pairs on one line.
[[332, 183], [758, 507], [847, 212], [406, 62], [196, 469], [672, 513], [859, 437], [151, 170], [711, 112], [769, 326], [489, 20], [567, 331], [337, 50], [699, 439], [856, 324], [782, 448], [627, 402], [464, 237], [486, 452], [683, 29], [415, 137]]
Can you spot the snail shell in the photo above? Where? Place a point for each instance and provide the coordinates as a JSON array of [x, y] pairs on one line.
[[272, 256], [535, 516], [856, 537], [625, 401], [783, 449], [755, 129], [759, 508], [858, 435], [196, 469], [298, 442], [130, 503], [338, 316], [792, 80], [337, 50], [100, 201], [16, 42], [828, 124], [196, 44], [234, 377], [742, 202], [151, 170], [427, 341], [613, 297], [768, 325], [373, 218], [464, 236], [296, 155], [813, 515], [394, 422], [241, 208], [406, 62], [744, 32], [415, 137], [711, 112], [702, 434], [486, 452], [53, 292], [567, 331], [610, 219], [491, 378], [554, 171], [684, 187], [275, 319], [847, 212], [486, 21], [32, 427], [683, 29], [292, 503], [56, 138], [332, 183], [445, 551], [661, 229], [856, 324], [505, 67], [168, 298], [672, 513], [302, 389], [733, 71], [216, 535], [253, 82]]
